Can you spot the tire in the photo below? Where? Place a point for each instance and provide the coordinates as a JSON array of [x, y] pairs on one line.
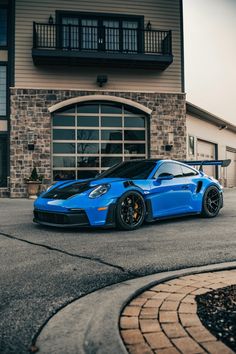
[[130, 211], [211, 203]]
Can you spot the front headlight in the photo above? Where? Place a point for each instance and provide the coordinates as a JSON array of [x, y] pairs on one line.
[[99, 190]]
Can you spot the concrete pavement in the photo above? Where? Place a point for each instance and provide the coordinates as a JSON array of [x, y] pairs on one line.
[[91, 324]]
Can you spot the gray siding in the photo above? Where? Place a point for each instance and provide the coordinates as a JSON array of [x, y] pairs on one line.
[[163, 14]]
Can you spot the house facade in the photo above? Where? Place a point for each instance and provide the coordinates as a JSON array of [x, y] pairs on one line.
[[87, 84]]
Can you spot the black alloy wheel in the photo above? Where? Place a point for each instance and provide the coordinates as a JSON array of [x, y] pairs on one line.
[[212, 202], [130, 211]]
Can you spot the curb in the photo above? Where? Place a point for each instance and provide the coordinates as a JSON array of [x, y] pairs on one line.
[[91, 324]]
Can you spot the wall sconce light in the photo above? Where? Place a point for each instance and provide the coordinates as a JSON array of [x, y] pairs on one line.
[[101, 80], [50, 20], [168, 147], [149, 26], [30, 141], [30, 147], [224, 126]]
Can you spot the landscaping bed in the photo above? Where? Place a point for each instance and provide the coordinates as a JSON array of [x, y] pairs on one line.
[[217, 312]]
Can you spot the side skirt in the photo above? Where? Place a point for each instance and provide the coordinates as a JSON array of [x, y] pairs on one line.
[[150, 218]]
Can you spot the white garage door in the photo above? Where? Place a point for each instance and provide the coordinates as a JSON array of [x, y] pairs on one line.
[[206, 151], [231, 169]]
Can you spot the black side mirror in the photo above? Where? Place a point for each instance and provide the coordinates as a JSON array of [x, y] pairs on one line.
[[165, 177]]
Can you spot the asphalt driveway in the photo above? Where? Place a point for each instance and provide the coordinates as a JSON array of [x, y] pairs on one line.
[[42, 269]]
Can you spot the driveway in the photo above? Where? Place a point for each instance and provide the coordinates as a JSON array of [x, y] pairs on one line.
[[43, 269]]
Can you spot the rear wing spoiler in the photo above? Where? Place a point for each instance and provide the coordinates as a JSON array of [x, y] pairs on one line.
[[201, 163]]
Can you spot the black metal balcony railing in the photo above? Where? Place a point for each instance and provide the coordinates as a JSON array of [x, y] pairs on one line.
[[96, 45], [101, 39]]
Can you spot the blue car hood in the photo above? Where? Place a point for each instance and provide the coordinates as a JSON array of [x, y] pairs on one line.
[[67, 189]]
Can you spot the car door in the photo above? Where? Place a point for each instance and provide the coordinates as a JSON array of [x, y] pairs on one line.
[[170, 196]]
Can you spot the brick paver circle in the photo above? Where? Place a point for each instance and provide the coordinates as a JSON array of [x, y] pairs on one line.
[[164, 320]]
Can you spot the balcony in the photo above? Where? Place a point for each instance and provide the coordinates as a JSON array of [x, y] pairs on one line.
[[93, 45]]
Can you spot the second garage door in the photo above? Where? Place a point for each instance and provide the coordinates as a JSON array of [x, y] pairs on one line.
[[231, 169], [206, 151]]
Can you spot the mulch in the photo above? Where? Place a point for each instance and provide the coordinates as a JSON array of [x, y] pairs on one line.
[[217, 312]]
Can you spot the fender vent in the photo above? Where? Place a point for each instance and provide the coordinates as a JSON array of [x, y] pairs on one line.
[[128, 184], [199, 186]]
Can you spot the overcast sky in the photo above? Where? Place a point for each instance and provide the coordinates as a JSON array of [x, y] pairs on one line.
[[210, 55]]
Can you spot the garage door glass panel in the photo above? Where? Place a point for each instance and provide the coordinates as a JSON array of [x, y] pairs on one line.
[[135, 149], [63, 175], [88, 161], [134, 135], [88, 108], [111, 148], [88, 121], [102, 135], [63, 148], [111, 122], [63, 121], [86, 148], [63, 161], [111, 135], [63, 134], [110, 161], [135, 122], [87, 134], [111, 108]]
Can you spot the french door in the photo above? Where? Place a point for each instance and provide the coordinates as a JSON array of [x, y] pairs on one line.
[[100, 34]]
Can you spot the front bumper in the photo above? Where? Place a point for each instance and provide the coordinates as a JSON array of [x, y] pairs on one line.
[[71, 219]]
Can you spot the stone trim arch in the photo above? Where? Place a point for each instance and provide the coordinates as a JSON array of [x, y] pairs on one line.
[[87, 98]]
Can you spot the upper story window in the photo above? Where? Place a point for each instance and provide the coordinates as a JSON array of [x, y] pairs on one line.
[[3, 27], [101, 33]]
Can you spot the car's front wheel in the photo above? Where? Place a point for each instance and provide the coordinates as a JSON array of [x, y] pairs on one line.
[[212, 202], [130, 211]]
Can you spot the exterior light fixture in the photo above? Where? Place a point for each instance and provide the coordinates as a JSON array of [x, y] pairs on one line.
[[50, 20], [224, 126], [149, 26], [168, 147], [101, 80]]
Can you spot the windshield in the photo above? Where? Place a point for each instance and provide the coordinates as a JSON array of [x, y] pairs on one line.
[[130, 169]]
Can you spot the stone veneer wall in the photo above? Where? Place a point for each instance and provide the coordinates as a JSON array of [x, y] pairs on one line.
[[4, 193], [30, 118]]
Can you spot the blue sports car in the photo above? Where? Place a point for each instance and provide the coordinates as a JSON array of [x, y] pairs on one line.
[[130, 193]]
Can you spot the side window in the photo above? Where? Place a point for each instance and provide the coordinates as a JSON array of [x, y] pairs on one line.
[[187, 171], [169, 168]]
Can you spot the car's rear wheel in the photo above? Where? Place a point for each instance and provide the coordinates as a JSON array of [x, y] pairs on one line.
[[211, 203], [130, 211]]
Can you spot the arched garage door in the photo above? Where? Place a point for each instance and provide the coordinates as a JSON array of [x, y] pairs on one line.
[[91, 137]]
